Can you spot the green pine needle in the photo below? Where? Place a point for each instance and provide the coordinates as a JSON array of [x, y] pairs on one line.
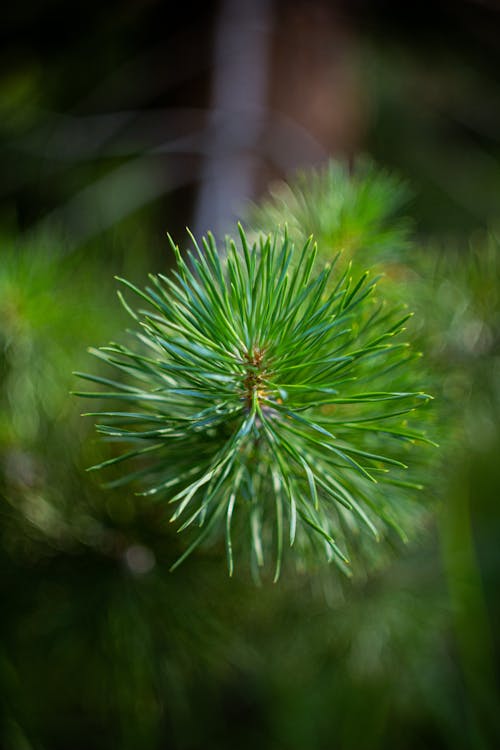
[[264, 394]]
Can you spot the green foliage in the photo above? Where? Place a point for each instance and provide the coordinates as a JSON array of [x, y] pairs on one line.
[[456, 298], [193, 660], [459, 302], [100, 646], [269, 396], [356, 211]]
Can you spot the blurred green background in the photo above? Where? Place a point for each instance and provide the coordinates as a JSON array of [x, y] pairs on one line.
[[120, 122]]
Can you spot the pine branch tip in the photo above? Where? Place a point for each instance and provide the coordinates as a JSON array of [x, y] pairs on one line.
[[253, 339]]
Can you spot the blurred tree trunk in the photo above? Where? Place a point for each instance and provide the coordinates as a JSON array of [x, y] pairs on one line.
[[285, 95]]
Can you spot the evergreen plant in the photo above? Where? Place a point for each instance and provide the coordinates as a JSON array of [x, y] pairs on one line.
[[269, 399]]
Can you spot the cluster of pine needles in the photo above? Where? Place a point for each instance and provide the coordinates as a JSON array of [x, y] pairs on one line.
[[265, 401]]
